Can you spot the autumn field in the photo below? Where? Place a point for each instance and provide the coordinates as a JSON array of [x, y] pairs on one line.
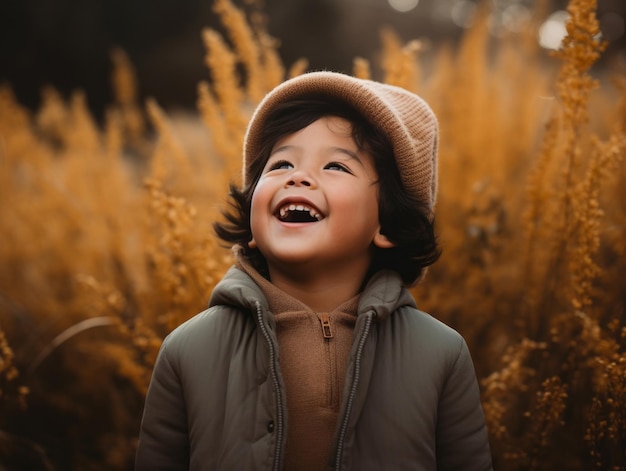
[[106, 242]]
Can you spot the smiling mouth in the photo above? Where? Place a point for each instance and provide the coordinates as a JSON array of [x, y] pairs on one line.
[[293, 212]]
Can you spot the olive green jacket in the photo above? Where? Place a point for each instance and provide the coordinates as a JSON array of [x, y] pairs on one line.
[[217, 401]]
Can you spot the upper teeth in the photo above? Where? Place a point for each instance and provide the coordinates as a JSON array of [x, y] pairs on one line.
[[299, 207]]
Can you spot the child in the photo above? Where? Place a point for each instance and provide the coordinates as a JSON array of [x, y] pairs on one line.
[[312, 354]]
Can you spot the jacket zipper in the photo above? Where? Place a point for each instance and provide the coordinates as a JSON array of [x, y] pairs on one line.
[[353, 388], [280, 419]]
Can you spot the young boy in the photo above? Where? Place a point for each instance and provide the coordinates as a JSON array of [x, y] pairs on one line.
[[312, 354]]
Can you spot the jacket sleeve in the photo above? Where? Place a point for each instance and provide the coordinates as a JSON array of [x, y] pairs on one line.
[[163, 438], [462, 441]]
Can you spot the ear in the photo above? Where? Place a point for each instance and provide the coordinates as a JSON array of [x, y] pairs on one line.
[[381, 241], [252, 244]]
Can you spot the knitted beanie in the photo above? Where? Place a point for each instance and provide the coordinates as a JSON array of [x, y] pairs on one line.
[[406, 119]]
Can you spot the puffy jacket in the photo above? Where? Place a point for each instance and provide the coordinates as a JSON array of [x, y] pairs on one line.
[[216, 400]]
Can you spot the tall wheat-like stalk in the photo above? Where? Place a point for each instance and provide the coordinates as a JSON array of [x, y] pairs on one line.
[[564, 221]]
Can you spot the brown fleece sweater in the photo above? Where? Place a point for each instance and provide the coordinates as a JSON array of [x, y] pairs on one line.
[[313, 353]]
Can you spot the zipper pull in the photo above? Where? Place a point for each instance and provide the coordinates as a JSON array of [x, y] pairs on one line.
[[325, 320]]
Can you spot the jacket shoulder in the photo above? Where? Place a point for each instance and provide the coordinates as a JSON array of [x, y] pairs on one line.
[[420, 325], [422, 343], [209, 329]]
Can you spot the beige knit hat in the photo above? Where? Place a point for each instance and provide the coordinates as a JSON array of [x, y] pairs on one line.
[[405, 118]]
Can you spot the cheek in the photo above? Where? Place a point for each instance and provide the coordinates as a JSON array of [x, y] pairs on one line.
[[367, 199], [371, 210], [261, 199], [363, 203], [254, 214]]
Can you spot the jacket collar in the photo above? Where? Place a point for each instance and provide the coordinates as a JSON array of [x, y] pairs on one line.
[[237, 289], [383, 294]]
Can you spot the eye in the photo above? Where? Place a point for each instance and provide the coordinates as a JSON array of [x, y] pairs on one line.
[[279, 165], [337, 166]]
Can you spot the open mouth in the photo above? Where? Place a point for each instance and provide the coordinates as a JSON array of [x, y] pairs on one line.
[[293, 212]]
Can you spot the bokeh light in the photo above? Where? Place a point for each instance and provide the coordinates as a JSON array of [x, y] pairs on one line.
[[462, 13], [552, 31], [516, 17], [403, 5]]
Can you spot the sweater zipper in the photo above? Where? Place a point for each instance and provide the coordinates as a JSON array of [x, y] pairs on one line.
[[327, 333], [326, 328], [279, 401], [353, 389]]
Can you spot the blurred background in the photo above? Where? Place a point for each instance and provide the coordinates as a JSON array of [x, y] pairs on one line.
[[66, 43]]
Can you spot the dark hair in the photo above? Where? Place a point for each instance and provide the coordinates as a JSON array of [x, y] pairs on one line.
[[404, 220]]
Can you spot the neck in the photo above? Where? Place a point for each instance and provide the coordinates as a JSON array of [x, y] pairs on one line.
[[322, 293]]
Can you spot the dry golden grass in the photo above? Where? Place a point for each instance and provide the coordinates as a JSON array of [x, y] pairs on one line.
[[107, 242]]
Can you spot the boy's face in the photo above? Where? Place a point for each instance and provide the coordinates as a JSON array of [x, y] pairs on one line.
[[316, 203]]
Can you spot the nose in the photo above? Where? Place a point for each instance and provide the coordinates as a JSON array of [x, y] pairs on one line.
[[300, 178]]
